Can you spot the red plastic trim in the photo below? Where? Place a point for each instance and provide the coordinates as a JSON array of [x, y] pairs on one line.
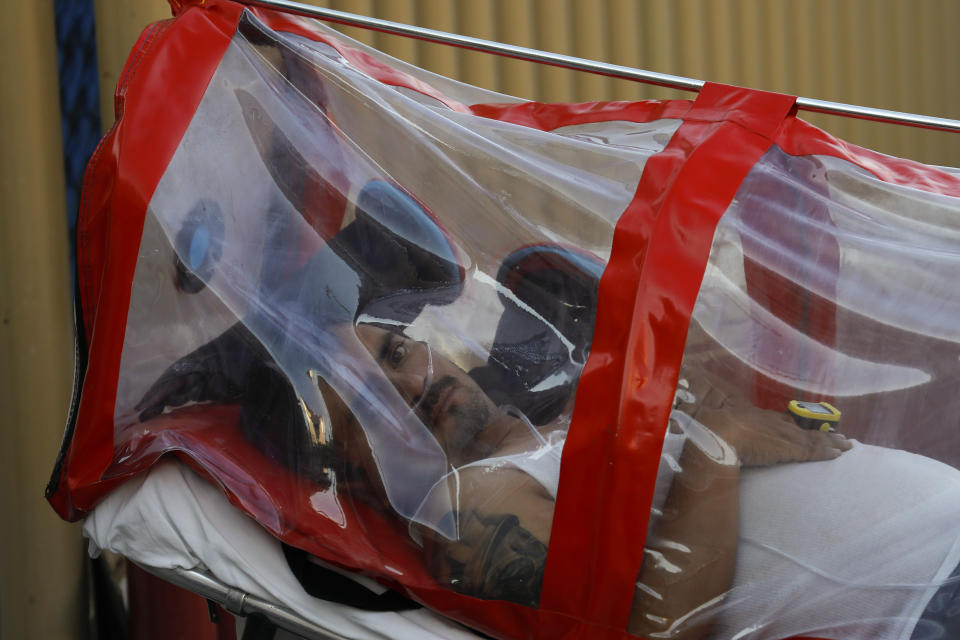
[[172, 58], [801, 138], [501, 619], [796, 137], [360, 60], [550, 116], [660, 250]]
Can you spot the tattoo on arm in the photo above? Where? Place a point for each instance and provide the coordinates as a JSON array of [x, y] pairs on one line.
[[495, 559]]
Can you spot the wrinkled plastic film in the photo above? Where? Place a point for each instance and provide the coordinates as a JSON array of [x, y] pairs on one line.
[[826, 285], [364, 313], [351, 299]]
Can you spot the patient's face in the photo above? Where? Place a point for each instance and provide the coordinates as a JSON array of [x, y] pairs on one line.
[[448, 402]]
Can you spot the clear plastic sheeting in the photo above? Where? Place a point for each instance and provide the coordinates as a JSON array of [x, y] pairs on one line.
[[825, 283], [655, 369], [828, 287], [386, 296]]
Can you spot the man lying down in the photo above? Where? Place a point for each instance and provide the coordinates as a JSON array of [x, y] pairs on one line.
[[760, 529]]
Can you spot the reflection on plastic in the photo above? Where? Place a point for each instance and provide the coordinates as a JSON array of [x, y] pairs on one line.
[[387, 311], [860, 540], [380, 312], [327, 503]]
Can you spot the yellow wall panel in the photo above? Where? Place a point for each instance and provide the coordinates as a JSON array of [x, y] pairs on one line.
[[554, 31], [880, 71], [440, 15], [404, 11], [590, 26], [515, 24], [905, 36], [721, 36], [118, 25], [856, 58], [948, 104], [826, 39], [625, 34], [477, 18], [41, 557], [805, 47], [660, 46], [361, 7], [752, 58], [690, 31]]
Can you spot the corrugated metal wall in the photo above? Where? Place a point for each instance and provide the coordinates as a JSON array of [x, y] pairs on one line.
[[41, 558], [894, 54]]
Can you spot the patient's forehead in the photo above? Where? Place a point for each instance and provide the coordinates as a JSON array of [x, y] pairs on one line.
[[448, 341], [372, 336]]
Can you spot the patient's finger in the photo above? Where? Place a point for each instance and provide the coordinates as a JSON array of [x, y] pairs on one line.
[[840, 441], [827, 446]]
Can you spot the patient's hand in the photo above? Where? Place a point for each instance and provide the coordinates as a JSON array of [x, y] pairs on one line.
[[762, 438], [212, 373]]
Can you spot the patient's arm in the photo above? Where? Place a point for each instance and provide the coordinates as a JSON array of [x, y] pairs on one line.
[[505, 518], [690, 554]]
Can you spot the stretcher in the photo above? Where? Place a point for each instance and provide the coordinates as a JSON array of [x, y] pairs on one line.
[[178, 526], [330, 298]]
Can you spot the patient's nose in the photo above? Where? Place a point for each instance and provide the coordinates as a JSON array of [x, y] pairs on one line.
[[410, 385]]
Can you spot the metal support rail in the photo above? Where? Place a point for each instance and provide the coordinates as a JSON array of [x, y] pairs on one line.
[[241, 603], [590, 66]]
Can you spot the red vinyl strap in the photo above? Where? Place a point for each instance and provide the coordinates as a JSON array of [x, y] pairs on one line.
[[169, 60], [502, 619], [646, 297], [799, 138], [551, 116]]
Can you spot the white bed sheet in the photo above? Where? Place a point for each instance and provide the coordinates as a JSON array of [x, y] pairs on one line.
[[171, 518]]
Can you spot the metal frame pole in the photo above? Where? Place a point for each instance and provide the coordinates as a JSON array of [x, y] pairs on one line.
[[241, 603], [589, 66]]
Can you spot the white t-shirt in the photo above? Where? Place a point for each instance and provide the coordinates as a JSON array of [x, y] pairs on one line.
[[851, 548]]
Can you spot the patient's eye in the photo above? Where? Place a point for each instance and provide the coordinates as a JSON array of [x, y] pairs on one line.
[[398, 352]]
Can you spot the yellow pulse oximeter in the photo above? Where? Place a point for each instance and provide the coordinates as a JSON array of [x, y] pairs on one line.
[[816, 416]]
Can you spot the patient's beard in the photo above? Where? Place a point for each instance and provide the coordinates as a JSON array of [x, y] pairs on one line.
[[471, 417]]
